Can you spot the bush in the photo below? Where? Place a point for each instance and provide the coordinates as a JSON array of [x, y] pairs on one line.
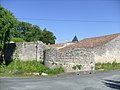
[[74, 67], [17, 40], [78, 66]]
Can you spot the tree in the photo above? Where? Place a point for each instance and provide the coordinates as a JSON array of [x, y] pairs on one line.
[[37, 33], [7, 24], [22, 28], [48, 37], [34, 34], [31, 33]]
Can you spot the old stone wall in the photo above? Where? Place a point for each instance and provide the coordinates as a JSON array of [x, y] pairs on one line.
[[109, 52], [85, 57], [26, 51], [71, 60]]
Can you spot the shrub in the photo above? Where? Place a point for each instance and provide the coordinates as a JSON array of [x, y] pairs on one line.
[[74, 67], [17, 40], [79, 66]]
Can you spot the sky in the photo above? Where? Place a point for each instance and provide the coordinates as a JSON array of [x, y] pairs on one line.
[[67, 18]]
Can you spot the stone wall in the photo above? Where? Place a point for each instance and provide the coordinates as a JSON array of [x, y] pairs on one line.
[[86, 57], [109, 52], [71, 60], [26, 51]]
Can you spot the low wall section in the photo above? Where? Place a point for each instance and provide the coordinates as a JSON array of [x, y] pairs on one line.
[[72, 60], [25, 51]]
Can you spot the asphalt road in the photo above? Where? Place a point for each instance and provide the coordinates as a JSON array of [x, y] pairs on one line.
[[101, 81]]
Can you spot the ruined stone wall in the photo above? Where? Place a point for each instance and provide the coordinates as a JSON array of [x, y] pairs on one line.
[[86, 57], [108, 52], [71, 60], [27, 51]]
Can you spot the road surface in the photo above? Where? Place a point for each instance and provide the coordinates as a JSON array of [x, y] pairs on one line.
[[102, 81]]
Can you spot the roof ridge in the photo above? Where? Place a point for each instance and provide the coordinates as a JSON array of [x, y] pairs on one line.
[[101, 36], [92, 42]]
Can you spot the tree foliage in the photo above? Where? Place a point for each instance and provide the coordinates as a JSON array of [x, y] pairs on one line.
[[10, 28], [17, 40], [7, 24], [48, 37], [31, 32], [28, 31]]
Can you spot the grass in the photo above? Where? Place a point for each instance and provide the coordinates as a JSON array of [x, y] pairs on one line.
[[107, 66], [24, 68]]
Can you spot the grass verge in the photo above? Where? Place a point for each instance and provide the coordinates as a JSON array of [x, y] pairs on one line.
[[107, 66], [24, 68]]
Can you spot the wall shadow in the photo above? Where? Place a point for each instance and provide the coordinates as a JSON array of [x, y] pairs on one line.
[[112, 84], [44, 52], [8, 52]]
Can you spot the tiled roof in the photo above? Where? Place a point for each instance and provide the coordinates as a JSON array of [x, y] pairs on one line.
[[58, 45], [92, 42]]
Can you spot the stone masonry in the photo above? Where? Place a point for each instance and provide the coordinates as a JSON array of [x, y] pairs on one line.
[[72, 60], [108, 52], [26, 51], [72, 56]]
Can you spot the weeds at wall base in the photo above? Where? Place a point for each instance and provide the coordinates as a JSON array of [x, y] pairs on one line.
[[24, 68], [107, 66]]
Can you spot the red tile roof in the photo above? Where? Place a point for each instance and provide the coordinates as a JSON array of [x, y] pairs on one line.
[[92, 42], [58, 45]]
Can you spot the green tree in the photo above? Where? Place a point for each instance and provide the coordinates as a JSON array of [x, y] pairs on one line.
[[7, 24], [34, 34], [23, 28], [29, 32], [48, 37]]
